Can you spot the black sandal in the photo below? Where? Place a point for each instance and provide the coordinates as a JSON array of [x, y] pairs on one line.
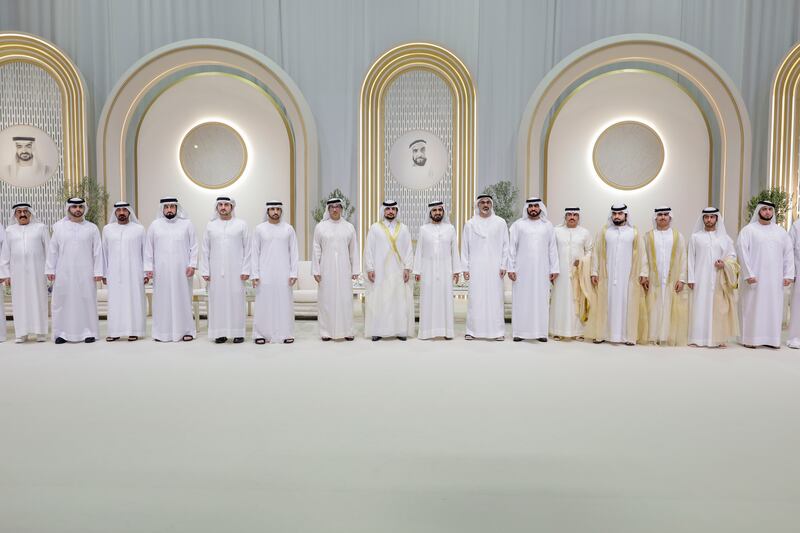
[[132, 338], [261, 341], [112, 339], [187, 338], [288, 341]]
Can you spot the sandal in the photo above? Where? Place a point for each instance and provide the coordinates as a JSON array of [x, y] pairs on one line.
[[132, 338], [261, 341], [112, 339], [469, 337], [288, 341], [187, 338]]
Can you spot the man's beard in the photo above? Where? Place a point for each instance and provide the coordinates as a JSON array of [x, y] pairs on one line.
[[711, 226], [420, 161], [25, 156], [122, 219], [275, 216], [437, 218], [534, 214], [169, 216], [618, 222], [389, 216], [762, 217]]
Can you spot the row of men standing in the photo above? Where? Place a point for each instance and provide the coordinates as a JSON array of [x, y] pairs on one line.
[[127, 257], [620, 286]]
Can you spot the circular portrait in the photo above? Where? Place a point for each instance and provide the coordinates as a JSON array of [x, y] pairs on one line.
[[418, 160], [28, 156]]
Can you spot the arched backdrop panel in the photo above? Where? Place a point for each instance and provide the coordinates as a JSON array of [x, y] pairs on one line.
[[717, 97], [290, 176], [41, 88]]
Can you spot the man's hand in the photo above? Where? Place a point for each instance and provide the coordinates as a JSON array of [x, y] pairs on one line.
[[417, 277], [787, 282], [719, 263], [691, 285], [502, 272], [105, 282], [406, 275], [51, 277], [370, 276], [511, 275], [644, 281], [205, 278], [576, 262], [679, 286], [553, 277], [98, 278], [292, 281], [189, 272], [466, 276], [752, 280], [455, 277], [317, 278], [148, 275], [244, 277], [256, 282], [354, 276], [595, 280]]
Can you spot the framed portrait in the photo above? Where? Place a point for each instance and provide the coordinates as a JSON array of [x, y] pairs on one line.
[[418, 160], [28, 156]]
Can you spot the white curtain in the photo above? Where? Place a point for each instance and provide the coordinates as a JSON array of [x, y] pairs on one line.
[[327, 47]]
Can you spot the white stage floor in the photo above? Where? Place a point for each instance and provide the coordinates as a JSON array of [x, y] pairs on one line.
[[397, 437]]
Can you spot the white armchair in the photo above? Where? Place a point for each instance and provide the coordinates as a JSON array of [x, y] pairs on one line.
[[305, 291]]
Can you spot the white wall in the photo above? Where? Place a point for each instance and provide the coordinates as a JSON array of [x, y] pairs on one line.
[[212, 98], [644, 97]]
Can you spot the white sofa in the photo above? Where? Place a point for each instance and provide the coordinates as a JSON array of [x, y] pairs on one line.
[[305, 291]]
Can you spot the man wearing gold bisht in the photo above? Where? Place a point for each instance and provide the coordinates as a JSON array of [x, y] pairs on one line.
[[667, 299], [619, 275]]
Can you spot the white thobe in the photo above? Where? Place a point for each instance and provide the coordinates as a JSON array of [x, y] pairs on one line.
[[75, 257], [705, 249], [22, 258], [484, 253], [170, 249], [275, 256], [533, 256], [619, 259], [335, 261], [390, 300], [435, 261], [224, 259], [794, 321], [123, 250], [573, 244], [660, 316], [765, 253]]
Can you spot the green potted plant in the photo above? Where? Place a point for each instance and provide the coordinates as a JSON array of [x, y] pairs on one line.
[[347, 207], [504, 194], [774, 195], [96, 197]]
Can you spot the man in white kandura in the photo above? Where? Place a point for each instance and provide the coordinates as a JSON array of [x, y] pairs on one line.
[[388, 260], [225, 266], [532, 267], [766, 258], [75, 265], [436, 268], [170, 259], [667, 301], [335, 266], [22, 260], [793, 340], [484, 256], [712, 275], [568, 305], [619, 273], [274, 272], [123, 249]]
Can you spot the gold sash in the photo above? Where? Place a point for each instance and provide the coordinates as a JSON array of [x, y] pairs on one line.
[[393, 240]]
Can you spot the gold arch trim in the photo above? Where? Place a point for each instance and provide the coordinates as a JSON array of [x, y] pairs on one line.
[[386, 69], [784, 128], [26, 48]]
